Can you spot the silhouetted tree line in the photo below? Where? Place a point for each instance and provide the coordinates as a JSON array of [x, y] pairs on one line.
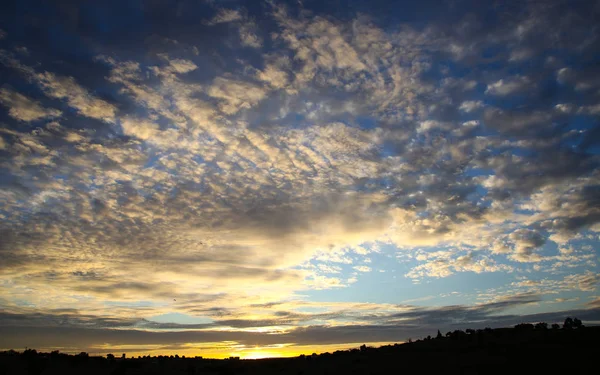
[[570, 323]]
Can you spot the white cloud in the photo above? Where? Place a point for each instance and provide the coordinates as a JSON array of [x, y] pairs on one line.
[[520, 54], [471, 105], [180, 65], [444, 263], [226, 15], [236, 95], [274, 74], [23, 108], [142, 129], [248, 35], [508, 86], [500, 247], [362, 268], [564, 108], [76, 96]]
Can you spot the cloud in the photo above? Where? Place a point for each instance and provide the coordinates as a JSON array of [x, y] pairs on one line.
[[586, 282], [362, 268], [65, 88], [521, 54], [526, 241], [225, 15], [445, 263], [581, 80], [249, 37], [23, 108], [471, 105], [594, 304], [516, 122], [142, 129], [247, 27], [274, 74], [236, 95], [513, 85], [323, 45], [76, 96], [500, 246]]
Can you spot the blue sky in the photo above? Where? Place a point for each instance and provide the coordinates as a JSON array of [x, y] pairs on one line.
[[246, 177]]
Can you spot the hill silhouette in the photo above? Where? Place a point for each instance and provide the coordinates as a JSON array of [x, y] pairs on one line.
[[525, 348]]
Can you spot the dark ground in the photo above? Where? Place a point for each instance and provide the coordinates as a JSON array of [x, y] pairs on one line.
[[523, 349]]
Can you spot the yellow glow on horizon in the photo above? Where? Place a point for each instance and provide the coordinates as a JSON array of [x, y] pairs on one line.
[[260, 355], [236, 350]]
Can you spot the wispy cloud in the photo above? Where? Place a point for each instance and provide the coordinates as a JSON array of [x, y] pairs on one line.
[[23, 108]]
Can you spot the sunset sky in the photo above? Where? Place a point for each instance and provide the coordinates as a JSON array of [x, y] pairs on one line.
[[271, 178]]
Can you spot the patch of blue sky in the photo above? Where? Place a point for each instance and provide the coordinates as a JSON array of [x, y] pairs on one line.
[[153, 161], [393, 286], [400, 289], [581, 122], [366, 122], [476, 172], [479, 196], [388, 148], [523, 152], [63, 42], [99, 17]]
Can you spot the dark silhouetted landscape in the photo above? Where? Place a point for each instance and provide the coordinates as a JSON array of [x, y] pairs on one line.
[[525, 348]]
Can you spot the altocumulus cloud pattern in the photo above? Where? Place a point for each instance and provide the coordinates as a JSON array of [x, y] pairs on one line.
[[216, 176]]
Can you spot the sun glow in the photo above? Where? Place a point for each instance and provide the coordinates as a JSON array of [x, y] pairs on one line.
[[262, 355]]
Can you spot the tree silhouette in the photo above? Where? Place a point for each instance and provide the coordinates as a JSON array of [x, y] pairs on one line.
[[568, 324], [439, 335], [577, 323]]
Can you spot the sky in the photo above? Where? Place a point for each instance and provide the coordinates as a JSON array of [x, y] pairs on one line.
[[271, 178]]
